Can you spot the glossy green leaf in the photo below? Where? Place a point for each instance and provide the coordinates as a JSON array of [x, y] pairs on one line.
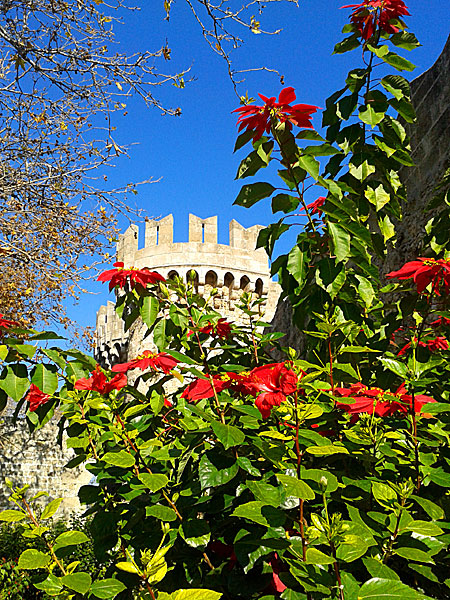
[[347, 44], [424, 528], [14, 381], [369, 116], [398, 62], [316, 557], [405, 40], [295, 487], [213, 475], [70, 538], [260, 513], [252, 193], [78, 582], [352, 548], [395, 366], [387, 589], [378, 569], [326, 450], [159, 335], [12, 516], [196, 533], [107, 588], [33, 559], [51, 508], [52, 585], [310, 164], [119, 459], [154, 482], [163, 513], [250, 166], [432, 509], [45, 377], [284, 203], [341, 241], [228, 435], [150, 310], [195, 594]]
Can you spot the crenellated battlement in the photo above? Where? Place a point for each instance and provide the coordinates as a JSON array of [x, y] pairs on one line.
[[230, 269]]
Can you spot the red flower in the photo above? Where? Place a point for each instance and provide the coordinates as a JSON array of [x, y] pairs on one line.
[[441, 322], [426, 271], [314, 207], [377, 401], [119, 277], [277, 567], [408, 346], [369, 13], [439, 343], [221, 329], [36, 397], [200, 389], [270, 384], [259, 119], [6, 323], [158, 362], [99, 382]]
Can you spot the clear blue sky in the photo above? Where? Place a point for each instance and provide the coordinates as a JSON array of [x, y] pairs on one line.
[[193, 154]]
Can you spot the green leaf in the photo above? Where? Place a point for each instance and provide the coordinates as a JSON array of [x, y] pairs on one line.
[[406, 110], [265, 492], [70, 538], [321, 477], [310, 164], [405, 40], [347, 44], [297, 264], [432, 509], [260, 513], [398, 62], [52, 585], [424, 528], [316, 557], [377, 196], [33, 559], [159, 334], [228, 435], [378, 569], [195, 594], [352, 548], [369, 116], [387, 589], [45, 377], [383, 493], [396, 85], [250, 166], [341, 241], [14, 381], [119, 459], [284, 203], [395, 366], [51, 508], [128, 567], [326, 450], [11, 516], [211, 475], [107, 588], [196, 533], [163, 513], [252, 193], [243, 139], [387, 228], [365, 290], [78, 582], [361, 171], [295, 487], [154, 482], [150, 310], [414, 554]]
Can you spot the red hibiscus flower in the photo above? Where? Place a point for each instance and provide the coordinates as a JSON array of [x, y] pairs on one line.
[[99, 382], [200, 389], [259, 119], [439, 343], [119, 277], [158, 362], [426, 271], [36, 397], [369, 13], [270, 384], [6, 323]]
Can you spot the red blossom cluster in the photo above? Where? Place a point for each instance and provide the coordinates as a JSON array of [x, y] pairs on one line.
[[259, 119], [158, 362], [36, 398], [426, 271], [441, 322], [221, 329], [269, 384], [98, 382], [379, 402], [434, 345], [120, 276], [370, 13], [315, 207]]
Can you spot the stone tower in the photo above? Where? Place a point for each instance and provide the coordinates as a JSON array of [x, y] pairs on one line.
[[231, 269]]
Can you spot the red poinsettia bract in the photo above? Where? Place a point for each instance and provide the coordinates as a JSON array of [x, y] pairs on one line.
[[158, 362], [315, 207], [36, 398], [7, 323], [221, 329], [441, 322], [259, 119], [377, 401], [201, 389], [98, 382], [120, 276], [369, 13], [426, 271]]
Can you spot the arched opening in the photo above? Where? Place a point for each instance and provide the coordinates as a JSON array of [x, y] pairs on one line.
[[172, 275], [228, 280], [259, 287], [244, 284], [211, 278], [192, 279]]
